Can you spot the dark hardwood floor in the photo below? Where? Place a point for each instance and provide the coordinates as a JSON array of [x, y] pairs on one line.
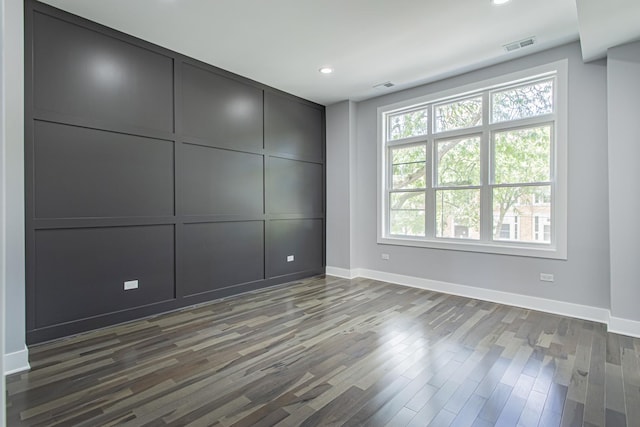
[[328, 351]]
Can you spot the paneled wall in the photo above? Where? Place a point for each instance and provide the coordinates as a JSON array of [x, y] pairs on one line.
[[143, 164]]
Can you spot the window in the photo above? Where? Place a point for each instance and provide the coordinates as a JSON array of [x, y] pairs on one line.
[[542, 229], [505, 231], [482, 168]]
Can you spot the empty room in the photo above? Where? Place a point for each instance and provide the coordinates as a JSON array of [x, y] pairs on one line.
[[305, 213]]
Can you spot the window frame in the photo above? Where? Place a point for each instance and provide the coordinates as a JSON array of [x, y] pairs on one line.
[[557, 248]]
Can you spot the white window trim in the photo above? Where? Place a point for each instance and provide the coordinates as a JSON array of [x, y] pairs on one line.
[[558, 248]]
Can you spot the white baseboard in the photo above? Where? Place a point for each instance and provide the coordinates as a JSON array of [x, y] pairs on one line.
[[596, 314], [622, 326], [16, 362], [343, 273]]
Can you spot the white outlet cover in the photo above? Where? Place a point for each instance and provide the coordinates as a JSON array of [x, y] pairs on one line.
[[290, 258], [130, 284]]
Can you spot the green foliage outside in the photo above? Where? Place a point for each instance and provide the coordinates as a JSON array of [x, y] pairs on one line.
[[521, 102], [410, 124], [408, 208], [458, 115], [521, 156]]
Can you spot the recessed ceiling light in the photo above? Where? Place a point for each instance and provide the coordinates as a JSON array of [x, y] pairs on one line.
[[499, 1], [326, 70]]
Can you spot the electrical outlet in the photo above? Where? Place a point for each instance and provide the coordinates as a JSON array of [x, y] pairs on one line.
[[130, 284], [385, 257], [546, 277], [290, 258]]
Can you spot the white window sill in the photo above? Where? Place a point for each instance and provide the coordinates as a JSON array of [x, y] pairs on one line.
[[501, 248]]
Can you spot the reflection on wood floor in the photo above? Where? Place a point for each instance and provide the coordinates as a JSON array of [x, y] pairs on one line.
[[329, 351]]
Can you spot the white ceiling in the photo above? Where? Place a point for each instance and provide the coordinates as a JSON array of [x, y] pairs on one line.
[[283, 43], [604, 24]]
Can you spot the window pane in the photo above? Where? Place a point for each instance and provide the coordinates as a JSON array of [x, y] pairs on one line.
[[517, 217], [407, 213], [458, 213], [458, 161], [542, 195], [505, 231], [409, 176], [521, 102], [522, 155], [415, 153], [408, 167], [407, 223], [404, 125], [409, 200], [460, 114]]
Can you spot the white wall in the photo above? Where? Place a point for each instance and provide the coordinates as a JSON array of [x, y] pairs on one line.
[[623, 79], [582, 279], [15, 352]]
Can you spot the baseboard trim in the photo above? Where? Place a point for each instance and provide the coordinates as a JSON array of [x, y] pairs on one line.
[[534, 303], [595, 314], [621, 326], [17, 361], [342, 273]]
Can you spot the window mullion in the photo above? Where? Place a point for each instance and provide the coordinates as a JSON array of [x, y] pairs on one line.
[[430, 194], [387, 190], [486, 218]]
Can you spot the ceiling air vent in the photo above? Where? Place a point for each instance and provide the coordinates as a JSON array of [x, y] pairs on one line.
[[383, 85], [510, 47]]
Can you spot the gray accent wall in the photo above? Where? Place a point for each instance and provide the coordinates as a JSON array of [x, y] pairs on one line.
[[145, 165], [582, 279], [623, 78]]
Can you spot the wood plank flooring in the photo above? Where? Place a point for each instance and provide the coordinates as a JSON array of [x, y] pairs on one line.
[[329, 352]]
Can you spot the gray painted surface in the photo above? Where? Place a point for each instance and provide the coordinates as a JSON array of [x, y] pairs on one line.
[[584, 277], [623, 76], [221, 111], [220, 182], [81, 272], [218, 255], [301, 238], [292, 128], [294, 187], [82, 172], [84, 73], [3, 240], [339, 162], [13, 27]]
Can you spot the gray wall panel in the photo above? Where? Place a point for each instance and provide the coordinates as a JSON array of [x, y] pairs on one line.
[[83, 172], [86, 74], [224, 112], [218, 255], [302, 238], [294, 186], [81, 272], [220, 182], [291, 127]]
